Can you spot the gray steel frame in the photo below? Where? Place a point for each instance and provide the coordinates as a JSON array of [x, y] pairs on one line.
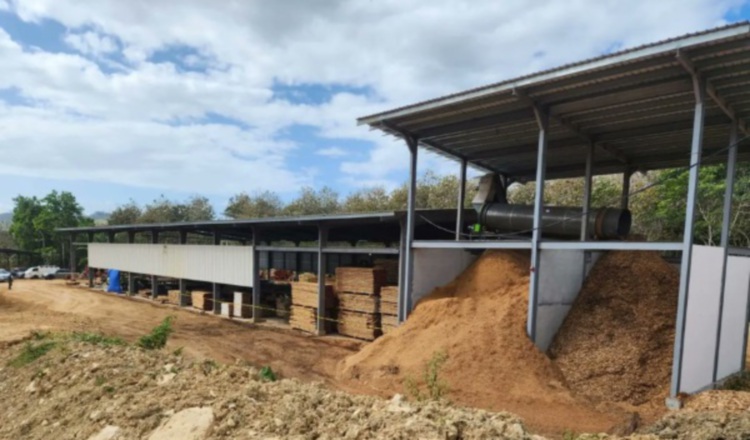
[[687, 243], [587, 187], [543, 121], [322, 257], [461, 200], [330, 250], [725, 232]]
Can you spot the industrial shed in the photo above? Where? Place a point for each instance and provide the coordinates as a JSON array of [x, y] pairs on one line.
[[681, 102]]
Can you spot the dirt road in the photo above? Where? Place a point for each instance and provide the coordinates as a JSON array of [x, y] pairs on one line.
[[51, 305]]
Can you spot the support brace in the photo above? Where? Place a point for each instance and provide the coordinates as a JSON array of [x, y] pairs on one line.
[[542, 120]]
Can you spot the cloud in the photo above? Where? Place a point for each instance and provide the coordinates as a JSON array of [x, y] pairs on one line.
[[91, 43], [149, 123], [333, 152]]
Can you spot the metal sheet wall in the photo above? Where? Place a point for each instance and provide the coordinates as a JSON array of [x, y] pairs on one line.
[[231, 265]]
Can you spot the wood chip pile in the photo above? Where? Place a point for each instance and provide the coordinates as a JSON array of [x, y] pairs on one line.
[[202, 300], [304, 311], [358, 290]]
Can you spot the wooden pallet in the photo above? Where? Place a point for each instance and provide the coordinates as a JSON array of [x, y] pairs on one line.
[[360, 280], [306, 294], [359, 325], [202, 300]]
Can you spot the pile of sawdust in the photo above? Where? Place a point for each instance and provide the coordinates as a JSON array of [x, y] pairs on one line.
[[616, 343], [479, 322], [724, 400]]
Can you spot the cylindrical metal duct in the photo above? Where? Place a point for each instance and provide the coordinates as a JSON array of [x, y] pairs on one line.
[[557, 221]]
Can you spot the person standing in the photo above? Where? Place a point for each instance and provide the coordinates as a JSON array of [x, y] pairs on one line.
[[10, 281]]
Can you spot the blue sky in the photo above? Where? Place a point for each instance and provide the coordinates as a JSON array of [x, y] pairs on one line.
[[133, 100]]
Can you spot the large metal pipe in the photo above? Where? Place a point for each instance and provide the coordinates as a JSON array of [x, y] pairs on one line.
[[557, 221]]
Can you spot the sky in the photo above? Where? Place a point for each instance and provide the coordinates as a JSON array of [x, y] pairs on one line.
[[118, 100]]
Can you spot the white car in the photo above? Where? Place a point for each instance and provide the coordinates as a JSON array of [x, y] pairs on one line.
[[4, 275], [40, 272]]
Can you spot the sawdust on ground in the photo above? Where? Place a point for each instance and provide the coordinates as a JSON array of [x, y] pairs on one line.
[[616, 344], [478, 321]]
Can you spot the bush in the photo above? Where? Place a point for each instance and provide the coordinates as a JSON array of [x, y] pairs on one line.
[[436, 388], [266, 374], [157, 339], [97, 339]]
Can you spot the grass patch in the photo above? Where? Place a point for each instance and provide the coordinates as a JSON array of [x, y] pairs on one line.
[[158, 337], [31, 352], [97, 339]]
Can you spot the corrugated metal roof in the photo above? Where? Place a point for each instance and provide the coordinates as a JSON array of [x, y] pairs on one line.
[[637, 105]]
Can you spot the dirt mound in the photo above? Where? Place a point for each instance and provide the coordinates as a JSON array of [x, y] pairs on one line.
[[478, 321], [724, 400], [616, 343], [80, 390]]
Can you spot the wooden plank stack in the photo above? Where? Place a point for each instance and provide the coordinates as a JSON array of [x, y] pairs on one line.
[[173, 297], [388, 323], [202, 300], [389, 300], [304, 309], [358, 290]]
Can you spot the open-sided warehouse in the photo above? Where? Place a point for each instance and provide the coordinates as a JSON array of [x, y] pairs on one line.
[[677, 103]]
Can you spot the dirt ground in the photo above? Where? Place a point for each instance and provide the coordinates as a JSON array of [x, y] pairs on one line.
[[51, 305]]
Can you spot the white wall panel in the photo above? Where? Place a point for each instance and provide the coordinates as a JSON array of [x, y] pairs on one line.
[[733, 327], [702, 318], [437, 267], [231, 265]]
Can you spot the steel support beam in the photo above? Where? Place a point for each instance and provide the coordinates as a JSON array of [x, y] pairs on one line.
[[154, 285], [473, 244], [726, 225], [322, 263], [543, 121], [711, 91], [217, 287], [181, 282], [625, 196], [131, 277], [413, 145], [401, 300], [612, 245], [89, 268], [256, 274], [687, 242], [587, 182], [461, 200], [72, 257]]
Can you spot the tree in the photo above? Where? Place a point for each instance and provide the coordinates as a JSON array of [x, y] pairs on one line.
[[367, 200], [311, 202], [163, 210], [127, 214], [259, 205], [35, 221], [198, 208]]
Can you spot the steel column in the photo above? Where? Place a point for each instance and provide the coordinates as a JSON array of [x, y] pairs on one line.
[[181, 282], [90, 269], [543, 122], [73, 265], [587, 191], [461, 200], [687, 241], [625, 197], [322, 264], [401, 306], [413, 145], [216, 287], [256, 275], [131, 278], [154, 286], [726, 225]]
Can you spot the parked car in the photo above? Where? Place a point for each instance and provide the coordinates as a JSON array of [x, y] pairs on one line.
[[4, 275], [18, 271], [60, 274], [40, 272]]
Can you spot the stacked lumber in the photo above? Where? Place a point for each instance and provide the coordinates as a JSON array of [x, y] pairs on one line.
[[173, 297], [359, 325], [242, 305], [202, 300], [307, 277], [227, 309], [388, 323], [389, 300], [358, 291], [390, 266], [304, 310], [360, 280]]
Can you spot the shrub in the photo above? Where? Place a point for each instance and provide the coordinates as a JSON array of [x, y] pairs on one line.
[[157, 339], [31, 352]]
